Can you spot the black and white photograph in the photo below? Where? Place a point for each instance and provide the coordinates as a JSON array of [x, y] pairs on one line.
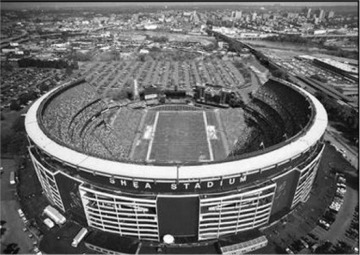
[[179, 127]]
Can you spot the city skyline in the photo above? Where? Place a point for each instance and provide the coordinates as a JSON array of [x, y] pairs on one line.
[[54, 4]]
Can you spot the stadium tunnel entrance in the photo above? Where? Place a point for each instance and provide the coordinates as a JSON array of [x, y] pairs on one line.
[[179, 217]]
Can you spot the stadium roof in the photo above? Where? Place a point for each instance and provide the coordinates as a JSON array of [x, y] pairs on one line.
[[174, 172]]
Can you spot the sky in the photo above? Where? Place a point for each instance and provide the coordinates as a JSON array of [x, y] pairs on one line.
[[22, 5]]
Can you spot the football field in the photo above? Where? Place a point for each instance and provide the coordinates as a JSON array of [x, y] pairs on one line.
[[180, 136]]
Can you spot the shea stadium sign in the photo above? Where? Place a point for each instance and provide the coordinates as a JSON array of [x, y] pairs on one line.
[[180, 186], [177, 186]]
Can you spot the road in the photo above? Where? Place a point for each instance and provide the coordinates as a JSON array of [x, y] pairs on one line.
[[9, 206], [333, 136]]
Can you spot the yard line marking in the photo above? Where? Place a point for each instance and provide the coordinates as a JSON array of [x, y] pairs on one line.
[[207, 138], [152, 137], [115, 117]]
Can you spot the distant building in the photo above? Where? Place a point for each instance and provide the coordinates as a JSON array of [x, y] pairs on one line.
[[331, 14], [265, 16], [308, 14], [195, 18], [253, 16], [235, 15], [292, 15], [319, 13], [221, 45]]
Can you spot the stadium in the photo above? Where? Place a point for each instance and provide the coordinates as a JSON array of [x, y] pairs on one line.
[[194, 170]]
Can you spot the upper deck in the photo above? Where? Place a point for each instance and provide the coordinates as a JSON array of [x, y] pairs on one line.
[[261, 159]]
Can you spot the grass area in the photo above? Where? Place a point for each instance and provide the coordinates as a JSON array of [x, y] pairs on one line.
[[12, 132], [7, 121], [180, 136], [233, 123]]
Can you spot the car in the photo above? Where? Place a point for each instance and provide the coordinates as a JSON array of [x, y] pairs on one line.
[[313, 236], [21, 213], [322, 223], [306, 245], [309, 241], [341, 185], [289, 251], [314, 247], [297, 246], [329, 216], [342, 179]]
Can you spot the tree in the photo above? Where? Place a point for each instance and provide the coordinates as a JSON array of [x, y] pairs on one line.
[[26, 97], [7, 66], [324, 248], [68, 70], [342, 248], [15, 106], [17, 144], [43, 87], [12, 248], [19, 124], [280, 74]]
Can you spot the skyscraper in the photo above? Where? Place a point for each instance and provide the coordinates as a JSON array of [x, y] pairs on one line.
[[253, 16], [235, 15], [306, 12]]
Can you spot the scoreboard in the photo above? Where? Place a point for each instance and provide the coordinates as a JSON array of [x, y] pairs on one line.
[[213, 95]]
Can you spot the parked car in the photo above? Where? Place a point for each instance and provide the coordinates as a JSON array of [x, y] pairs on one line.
[[306, 245], [322, 223], [313, 236], [289, 251], [314, 247]]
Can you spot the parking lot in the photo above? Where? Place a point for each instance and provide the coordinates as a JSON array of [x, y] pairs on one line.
[[304, 219], [9, 206]]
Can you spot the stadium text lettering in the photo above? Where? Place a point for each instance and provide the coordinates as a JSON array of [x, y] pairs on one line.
[[181, 186]]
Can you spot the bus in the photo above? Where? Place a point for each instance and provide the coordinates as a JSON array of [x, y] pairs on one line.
[[12, 177], [49, 223], [80, 236], [54, 214]]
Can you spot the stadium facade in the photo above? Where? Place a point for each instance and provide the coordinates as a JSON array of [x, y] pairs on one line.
[[193, 202]]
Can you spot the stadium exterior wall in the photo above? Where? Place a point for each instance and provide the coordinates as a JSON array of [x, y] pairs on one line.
[[134, 200]]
